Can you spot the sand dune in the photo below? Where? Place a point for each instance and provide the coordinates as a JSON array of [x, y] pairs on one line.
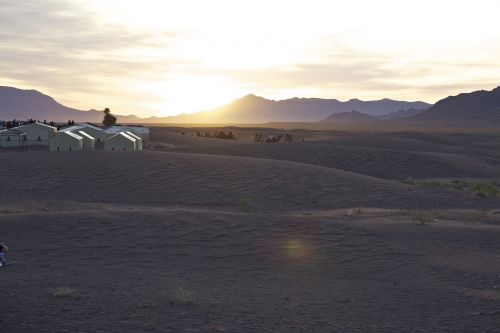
[[161, 270], [376, 162], [165, 178], [207, 235]]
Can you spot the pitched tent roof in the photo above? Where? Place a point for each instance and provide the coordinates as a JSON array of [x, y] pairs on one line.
[[83, 134], [76, 136], [80, 127], [135, 129], [122, 134], [45, 126], [133, 135], [91, 126], [11, 131], [71, 128]]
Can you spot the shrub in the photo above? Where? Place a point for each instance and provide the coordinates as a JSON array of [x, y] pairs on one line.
[[245, 204], [426, 217], [65, 292], [350, 212], [432, 184], [485, 190], [409, 181], [460, 185], [183, 295], [475, 217]]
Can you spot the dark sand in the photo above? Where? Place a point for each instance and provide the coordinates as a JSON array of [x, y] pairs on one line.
[[314, 236]]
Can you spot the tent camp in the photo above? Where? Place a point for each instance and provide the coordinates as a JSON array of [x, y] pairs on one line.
[[88, 141], [97, 133], [120, 142], [66, 141], [37, 134], [140, 131]]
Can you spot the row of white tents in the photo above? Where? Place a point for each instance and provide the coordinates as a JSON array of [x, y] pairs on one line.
[[77, 137]]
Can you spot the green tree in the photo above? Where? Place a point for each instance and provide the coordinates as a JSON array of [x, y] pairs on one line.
[[109, 119]]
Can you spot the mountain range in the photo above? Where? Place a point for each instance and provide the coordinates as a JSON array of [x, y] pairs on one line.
[[253, 109], [478, 106], [31, 104], [481, 106]]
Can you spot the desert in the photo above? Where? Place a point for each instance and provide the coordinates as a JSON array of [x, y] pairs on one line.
[[347, 233]]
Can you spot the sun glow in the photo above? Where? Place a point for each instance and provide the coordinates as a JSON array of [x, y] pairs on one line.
[[165, 57], [186, 94]]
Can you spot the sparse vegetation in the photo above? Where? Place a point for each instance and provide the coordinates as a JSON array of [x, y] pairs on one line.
[[65, 292], [245, 204], [147, 306], [486, 190], [481, 190], [7, 211], [460, 185], [427, 217], [150, 323], [216, 328], [350, 212], [409, 181], [182, 295], [475, 217], [432, 184]]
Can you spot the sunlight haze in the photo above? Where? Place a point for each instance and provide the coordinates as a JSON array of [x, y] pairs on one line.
[[169, 57]]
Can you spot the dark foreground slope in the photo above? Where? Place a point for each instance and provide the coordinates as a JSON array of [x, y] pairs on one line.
[[158, 241], [160, 270]]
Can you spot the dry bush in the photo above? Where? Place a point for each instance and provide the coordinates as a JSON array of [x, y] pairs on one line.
[[8, 211], [149, 323], [475, 217], [147, 305], [460, 185], [65, 292], [182, 295], [486, 190], [245, 204], [409, 181], [432, 184], [350, 212], [426, 217]]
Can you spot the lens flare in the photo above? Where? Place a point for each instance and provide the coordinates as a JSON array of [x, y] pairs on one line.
[[297, 250]]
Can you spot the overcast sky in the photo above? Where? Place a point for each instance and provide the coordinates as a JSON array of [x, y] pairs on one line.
[[160, 57]]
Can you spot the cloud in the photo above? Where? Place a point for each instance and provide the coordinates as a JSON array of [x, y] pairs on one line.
[[93, 58], [58, 47]]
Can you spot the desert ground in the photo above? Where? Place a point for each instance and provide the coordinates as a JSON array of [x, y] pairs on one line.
[[338, 231]]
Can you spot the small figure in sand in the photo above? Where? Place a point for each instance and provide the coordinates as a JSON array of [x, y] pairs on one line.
[[3, 251]]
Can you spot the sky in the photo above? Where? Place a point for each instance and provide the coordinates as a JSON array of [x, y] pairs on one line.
[[163, 57]]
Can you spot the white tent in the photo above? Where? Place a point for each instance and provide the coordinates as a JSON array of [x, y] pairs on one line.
[[88, 141], [138, 140], [12, 138], [140, 131], [66, 141], [120, 142], [97, 133], [37, 134]]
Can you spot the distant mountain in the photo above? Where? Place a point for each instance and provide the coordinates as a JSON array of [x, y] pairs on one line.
[[349, 117], [31, 104], [401, 114], [254, 109], [478, 106]]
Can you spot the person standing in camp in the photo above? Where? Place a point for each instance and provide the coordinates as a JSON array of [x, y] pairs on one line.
[[3, 250]]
